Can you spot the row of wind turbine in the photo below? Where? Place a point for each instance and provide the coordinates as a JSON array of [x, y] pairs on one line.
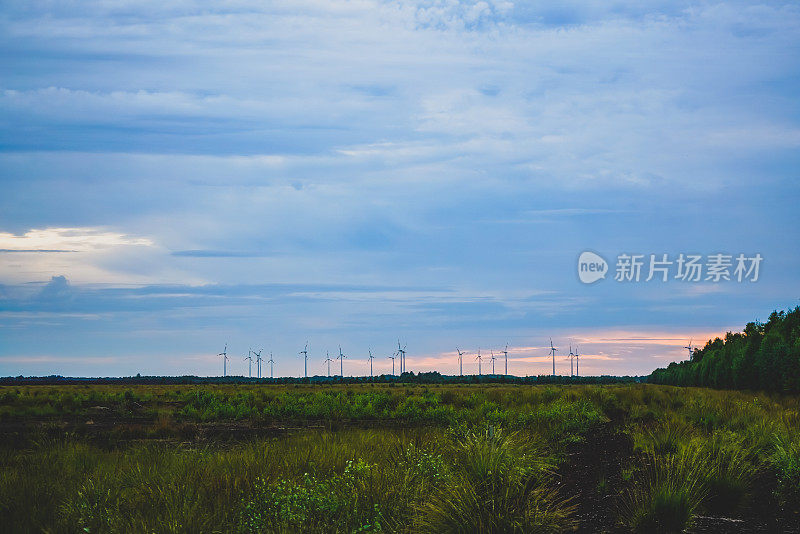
[[573, 357]]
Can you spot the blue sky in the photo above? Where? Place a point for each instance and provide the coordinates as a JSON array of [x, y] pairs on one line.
[[180, 175]]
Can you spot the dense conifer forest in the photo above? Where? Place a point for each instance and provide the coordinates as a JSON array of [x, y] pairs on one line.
[[765, 356]]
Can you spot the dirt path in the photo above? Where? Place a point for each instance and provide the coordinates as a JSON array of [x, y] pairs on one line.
[[592, 473]]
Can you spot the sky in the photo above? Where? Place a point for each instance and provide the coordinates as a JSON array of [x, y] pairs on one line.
[[178, 176]]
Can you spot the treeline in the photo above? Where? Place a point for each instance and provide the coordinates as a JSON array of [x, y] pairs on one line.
[[766, 356], [405, 378]]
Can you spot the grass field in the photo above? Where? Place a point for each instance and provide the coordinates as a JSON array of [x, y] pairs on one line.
[[365, 458]]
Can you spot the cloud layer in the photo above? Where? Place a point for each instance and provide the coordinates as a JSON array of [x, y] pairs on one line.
[[353, 172]]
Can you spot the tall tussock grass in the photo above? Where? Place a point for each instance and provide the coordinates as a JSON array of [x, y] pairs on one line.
[[500, 483], [729, 469], [664, 438], [666, 492], [681, 473], [786, 457]]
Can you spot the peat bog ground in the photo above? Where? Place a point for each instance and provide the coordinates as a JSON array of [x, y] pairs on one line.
[[397, 458]]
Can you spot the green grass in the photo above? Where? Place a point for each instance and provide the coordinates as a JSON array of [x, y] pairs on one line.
[[366, 458]]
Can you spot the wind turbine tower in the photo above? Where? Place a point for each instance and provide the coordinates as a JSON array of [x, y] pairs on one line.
[[328, 361], [553, 352], [505, 353], [224, 355], [571, 359], [341, 361], [690, 349], [493, 359], [402, 354], [304, 352], [249, 357], [479, 361], [577, 362], [392, 357], [271, 365], [259, 359], [371, 357], [460, 362]]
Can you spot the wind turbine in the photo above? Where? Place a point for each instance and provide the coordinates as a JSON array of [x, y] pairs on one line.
[[402, 354], [505, 352], [392, 357], [249, 364], [371, 357], [577, 362], [304, 352], [493, 359], [478, 357], [460, 362], [553, 351], [271, 364], [690, 349], [341, 358], [328, 361], [571, 359], [259, 359], [224, 355]]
